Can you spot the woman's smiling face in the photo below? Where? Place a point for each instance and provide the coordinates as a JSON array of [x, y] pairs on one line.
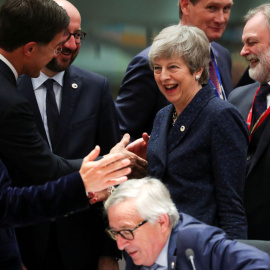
[[174, 80]]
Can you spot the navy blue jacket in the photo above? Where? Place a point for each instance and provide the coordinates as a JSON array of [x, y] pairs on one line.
[[212, 249], [139, 98], [22, 206], [202, 160]]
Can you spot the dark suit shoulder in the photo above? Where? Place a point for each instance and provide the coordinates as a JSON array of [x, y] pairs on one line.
[[243, 92], [143, 54], [219, 48], [242, 98]]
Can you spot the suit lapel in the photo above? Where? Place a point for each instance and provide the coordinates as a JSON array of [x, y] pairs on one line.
[[172, 250], [25, 86], [188, 116], [71, 90]]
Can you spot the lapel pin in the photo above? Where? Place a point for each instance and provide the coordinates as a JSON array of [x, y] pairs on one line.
[[74, 85], [182, 128], [172, 265]]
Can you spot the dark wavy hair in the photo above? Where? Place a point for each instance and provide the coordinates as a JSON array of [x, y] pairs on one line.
[[24, 21]]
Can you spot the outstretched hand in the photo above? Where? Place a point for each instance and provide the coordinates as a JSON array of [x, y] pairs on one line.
[[108, 171], [139, 147], [137, 164]]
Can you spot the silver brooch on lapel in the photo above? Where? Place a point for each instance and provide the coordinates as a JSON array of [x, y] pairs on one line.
[[74, 85]]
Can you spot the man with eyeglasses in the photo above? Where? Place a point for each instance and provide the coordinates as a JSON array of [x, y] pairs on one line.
[[86, 117], [147, 226]]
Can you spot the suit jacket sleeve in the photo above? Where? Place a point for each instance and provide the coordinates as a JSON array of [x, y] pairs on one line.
[[139, 98], [22, 147], [214, 251], [27, 205]]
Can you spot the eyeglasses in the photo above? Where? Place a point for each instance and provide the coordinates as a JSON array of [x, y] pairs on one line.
[[126, 234], [78, 36]]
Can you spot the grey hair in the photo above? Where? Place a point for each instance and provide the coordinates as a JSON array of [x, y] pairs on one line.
[[152, 199], [184, 41], [264, 9]]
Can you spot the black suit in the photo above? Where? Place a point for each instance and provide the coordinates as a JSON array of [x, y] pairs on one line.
[[87, 118], [22, 148], [21, 206], [257, 188], [139, 98]]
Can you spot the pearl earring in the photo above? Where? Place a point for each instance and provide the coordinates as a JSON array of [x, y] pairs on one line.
[[197, 77]]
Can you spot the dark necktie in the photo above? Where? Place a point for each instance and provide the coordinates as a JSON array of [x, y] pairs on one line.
[[213, 76], [51, 110], [260, 104]]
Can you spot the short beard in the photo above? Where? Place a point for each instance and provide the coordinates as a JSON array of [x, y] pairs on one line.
[[54, 66], [261, 72]]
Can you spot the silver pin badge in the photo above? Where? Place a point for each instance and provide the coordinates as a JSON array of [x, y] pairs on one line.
[[172, 265], [74, 85], [182, 128]]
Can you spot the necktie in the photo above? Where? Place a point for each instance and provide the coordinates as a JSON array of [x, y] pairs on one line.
[[51, 109], [213, 76], [152, 267], [260, 104]]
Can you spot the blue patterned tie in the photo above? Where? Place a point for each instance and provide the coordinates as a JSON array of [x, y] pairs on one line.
[[152, 267], [260, 104]]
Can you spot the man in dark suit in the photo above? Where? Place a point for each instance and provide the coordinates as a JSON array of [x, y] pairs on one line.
[[87, 118], [22, 149], [256, 50], [146, 225], [28, 43], [27, 205], [139, 98]]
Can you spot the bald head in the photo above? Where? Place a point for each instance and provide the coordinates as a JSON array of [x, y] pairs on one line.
[[71, 10], [71, 47]]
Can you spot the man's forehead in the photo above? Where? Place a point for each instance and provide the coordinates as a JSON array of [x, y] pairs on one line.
[[251, 29], [215, 2]]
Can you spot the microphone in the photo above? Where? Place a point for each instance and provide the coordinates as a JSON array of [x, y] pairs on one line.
[[190, 256]]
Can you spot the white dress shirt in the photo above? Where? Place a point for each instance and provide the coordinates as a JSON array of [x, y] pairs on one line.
[[41, 92]]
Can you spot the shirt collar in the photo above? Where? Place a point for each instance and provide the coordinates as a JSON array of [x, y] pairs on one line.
[[4, 59], [37, 82], [162, 259]]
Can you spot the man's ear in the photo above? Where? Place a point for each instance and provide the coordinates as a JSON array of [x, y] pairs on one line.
[[164, 222], [184, 4], [29, 48]]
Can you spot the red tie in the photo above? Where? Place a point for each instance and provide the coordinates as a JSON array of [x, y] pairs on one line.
[[260, 106]]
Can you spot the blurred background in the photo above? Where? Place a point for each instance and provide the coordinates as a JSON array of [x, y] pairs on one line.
[[118, 29]]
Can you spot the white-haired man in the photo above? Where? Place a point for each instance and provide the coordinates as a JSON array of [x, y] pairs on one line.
[[146, 225], [253, 103]]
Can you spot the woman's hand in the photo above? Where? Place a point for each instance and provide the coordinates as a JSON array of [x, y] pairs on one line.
[[139, 147], [99, 196], [137, 164]]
